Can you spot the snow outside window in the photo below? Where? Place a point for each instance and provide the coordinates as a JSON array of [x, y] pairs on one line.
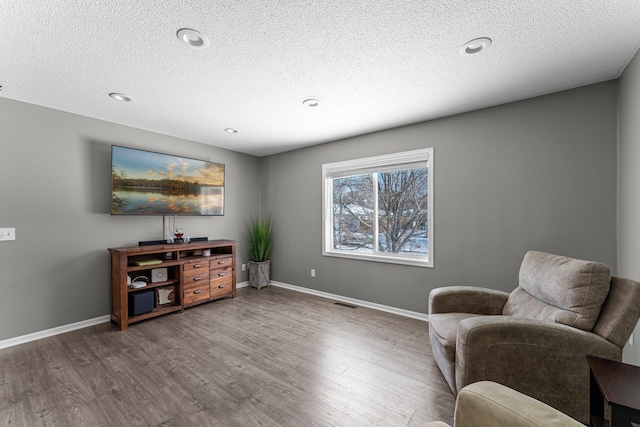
[[380, 208]]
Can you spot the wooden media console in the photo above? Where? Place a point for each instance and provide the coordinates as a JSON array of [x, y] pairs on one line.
[[196, 273]]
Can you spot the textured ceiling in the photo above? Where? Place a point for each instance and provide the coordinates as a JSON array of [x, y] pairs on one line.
[[373, 64]]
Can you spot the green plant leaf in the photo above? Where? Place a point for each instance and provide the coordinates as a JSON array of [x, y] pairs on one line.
[[259, 238]]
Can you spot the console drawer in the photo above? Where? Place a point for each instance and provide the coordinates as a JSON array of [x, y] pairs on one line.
[[196, 269], [194, 293], [196, 278], [220, 273], [221, 262], [221, 286]]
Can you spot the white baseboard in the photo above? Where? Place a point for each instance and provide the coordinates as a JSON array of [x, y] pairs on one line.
[[104, 319], [53, 331], [353, 301]]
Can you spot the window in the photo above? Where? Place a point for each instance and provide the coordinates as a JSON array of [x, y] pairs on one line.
[[380, 208]]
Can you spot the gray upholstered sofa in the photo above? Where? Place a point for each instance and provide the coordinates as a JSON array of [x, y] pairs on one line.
[[535, 339], [489, 404]]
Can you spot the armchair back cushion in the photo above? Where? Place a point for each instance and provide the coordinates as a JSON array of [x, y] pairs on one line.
[[559, 289]]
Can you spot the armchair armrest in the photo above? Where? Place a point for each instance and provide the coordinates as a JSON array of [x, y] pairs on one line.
[[540, 359], [467, 299]]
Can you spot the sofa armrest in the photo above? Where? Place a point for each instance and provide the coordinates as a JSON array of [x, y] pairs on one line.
[[467, 299], [488, 404], [540, 359]]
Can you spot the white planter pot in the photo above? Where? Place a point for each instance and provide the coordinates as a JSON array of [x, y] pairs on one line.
[[259, 274]]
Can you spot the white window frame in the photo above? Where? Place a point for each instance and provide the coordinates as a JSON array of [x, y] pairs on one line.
[[388, 162]]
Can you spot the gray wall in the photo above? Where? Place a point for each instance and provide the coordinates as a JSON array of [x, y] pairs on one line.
[[629, 185], [537, 174], [55, 190]]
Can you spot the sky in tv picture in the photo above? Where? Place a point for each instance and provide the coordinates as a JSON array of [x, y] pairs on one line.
[[137, 164]]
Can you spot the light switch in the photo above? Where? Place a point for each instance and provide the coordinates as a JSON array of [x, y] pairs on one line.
[[7, 233]]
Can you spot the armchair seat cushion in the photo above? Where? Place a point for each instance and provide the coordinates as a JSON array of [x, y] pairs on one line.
[[444, 327]]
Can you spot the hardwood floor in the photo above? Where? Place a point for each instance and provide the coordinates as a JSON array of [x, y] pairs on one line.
[[270, 357]]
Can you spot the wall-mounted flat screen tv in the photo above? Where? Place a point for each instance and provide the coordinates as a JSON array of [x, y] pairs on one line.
[[148, 183]]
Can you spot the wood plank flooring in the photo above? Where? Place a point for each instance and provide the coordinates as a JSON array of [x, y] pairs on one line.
[[270, 357]]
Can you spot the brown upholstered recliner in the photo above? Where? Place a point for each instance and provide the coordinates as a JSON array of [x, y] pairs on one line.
[[535, 339]]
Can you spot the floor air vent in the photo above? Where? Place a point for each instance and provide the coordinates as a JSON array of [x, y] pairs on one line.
[[344, 304]]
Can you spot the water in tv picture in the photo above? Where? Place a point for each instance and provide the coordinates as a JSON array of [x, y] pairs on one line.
[[148, 183]]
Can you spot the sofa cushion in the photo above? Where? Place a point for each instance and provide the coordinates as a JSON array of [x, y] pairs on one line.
[[559, 289]]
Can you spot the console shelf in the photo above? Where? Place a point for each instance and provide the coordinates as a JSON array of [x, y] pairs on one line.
[[156, 312], [192, 277], [152, 285]]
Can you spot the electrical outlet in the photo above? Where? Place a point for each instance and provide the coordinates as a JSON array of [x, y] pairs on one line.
[[313, 272], [7, 233], [244, 267]]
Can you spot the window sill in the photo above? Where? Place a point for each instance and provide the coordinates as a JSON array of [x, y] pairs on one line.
[[391, 259]]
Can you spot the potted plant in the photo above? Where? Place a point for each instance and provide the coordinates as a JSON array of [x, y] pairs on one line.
[[259, 249]]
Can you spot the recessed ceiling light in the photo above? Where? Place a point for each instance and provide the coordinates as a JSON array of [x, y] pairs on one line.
[[121, 97], [231, 130], [475, 46], [193, 38], [311, 103]]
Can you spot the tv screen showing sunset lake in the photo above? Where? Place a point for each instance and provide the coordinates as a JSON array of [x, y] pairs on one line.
[[148, 183]]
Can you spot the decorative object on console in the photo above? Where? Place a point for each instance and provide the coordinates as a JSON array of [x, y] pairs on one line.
[[141, 302], [151, 242], [136, 282], [149, 262], [162, 242], [159, 275], [166, 295], [259, 249], [179, 237]]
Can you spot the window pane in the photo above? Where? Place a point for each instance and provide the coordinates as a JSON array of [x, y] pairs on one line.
[[353, 213], [380, 208], [403, 211]]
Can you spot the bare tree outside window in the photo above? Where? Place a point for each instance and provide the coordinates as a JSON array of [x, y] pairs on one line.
[[403, 211]]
